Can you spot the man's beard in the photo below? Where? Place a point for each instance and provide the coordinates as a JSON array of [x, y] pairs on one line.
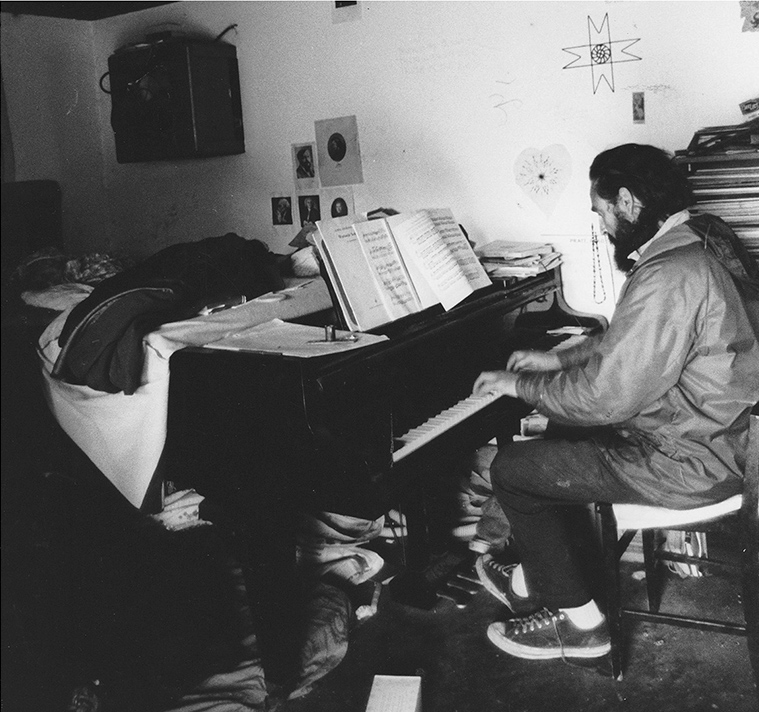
[[629, 236]]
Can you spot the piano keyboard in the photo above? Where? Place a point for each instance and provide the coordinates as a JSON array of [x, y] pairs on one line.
[[465, 408], [440, 423], [567, 339]]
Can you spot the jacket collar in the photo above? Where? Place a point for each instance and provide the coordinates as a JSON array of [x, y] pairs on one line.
[[672, 221]]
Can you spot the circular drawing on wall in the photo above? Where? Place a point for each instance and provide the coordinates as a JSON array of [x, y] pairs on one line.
[[336, 147]]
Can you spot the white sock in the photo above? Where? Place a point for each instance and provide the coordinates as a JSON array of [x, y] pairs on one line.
[[585, 617], [518, 584]]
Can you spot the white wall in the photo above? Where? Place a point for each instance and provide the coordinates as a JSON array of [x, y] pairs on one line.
[[48, 67], [447, 95]]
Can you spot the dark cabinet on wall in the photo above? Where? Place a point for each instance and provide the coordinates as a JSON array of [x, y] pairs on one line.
[[174, 99]]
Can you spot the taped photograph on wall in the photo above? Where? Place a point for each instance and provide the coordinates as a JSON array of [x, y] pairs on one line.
[[304, 166], [338, 151], [309, 208], [281, 210], [338, 202]]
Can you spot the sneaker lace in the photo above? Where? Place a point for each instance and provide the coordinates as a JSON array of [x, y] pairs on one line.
[[544, 617], [537, 620], [500, 569]]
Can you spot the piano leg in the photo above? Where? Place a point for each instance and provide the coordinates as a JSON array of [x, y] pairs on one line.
[[428, 559], [411, 586], [261, 536], [429, 480]]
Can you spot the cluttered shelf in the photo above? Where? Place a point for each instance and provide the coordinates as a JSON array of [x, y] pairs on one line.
[[730, 138], [722, 164]]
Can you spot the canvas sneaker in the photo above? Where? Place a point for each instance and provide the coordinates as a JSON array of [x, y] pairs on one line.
[[496, 579], [545, 635]]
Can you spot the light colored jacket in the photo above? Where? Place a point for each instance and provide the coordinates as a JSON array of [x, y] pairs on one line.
[[676, 374]]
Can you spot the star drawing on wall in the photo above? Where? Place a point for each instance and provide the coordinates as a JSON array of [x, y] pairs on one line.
[[601, 53]]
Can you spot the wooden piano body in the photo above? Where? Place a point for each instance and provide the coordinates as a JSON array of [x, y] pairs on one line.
[[265, 436], [333, 420]]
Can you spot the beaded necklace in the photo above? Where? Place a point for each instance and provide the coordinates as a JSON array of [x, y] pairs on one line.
[[599, 288]]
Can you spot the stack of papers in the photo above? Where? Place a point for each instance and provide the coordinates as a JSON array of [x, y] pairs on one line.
[[503, 258]]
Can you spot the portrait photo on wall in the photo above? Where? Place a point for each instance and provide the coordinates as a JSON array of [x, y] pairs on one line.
[[304, 166], [309, 208], [337, 202], [282, 210], [338, 152]]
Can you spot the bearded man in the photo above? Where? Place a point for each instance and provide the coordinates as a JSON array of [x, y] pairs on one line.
[[658, 404]]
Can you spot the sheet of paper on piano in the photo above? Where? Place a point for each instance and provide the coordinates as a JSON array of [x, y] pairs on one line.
[[288, 339]]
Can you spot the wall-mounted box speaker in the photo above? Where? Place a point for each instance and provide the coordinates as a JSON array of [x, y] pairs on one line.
[[178, 98]]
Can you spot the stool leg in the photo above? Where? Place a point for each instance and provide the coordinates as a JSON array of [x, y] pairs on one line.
[[611, 584], [750, 590], [651, 562]]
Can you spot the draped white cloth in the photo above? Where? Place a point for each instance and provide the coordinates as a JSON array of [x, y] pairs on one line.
[[124, 435]]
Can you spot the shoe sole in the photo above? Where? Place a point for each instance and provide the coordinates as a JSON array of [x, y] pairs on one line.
[[480, 546], [528, 653]]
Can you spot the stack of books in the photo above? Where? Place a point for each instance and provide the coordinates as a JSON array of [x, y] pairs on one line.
[[503, 259], [725, 139], [727, 185]]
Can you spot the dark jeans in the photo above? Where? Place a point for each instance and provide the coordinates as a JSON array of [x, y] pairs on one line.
[[536, 482]]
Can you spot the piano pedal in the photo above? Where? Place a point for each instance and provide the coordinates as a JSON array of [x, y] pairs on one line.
[[461, 584], [465, 584], [444, 566], [459, 598], [454, 586], [469, 575], [466, 568]]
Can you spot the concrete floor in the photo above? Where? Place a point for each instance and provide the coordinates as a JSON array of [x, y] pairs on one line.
[[50, 554], [668, 669], [84, 605]]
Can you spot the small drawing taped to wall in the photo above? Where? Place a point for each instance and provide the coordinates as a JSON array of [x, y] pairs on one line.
[[639, 107]]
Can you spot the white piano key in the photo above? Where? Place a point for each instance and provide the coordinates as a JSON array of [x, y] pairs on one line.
[[440, 423]]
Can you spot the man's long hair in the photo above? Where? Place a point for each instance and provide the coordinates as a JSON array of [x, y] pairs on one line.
[[649, 173]]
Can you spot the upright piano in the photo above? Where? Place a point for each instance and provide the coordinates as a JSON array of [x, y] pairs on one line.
[[266, 436]]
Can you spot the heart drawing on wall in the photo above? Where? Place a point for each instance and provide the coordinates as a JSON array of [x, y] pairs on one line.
[[544, 174]]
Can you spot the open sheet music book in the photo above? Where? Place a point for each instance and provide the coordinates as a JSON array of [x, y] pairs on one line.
[[382, 270]]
